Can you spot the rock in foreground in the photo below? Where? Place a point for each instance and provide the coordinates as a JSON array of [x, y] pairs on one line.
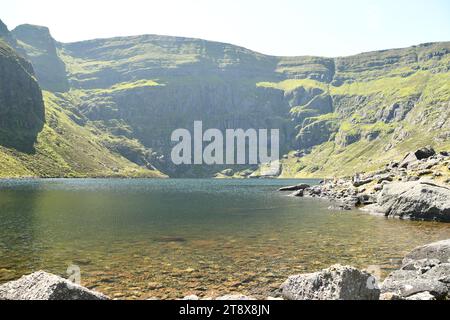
[[44, 286], [438, 250], [336, 283], [424, 275]]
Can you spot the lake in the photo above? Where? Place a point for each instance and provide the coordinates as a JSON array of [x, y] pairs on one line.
[[136, 239]]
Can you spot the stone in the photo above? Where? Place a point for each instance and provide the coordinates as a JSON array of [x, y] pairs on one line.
[[359, 183], [438, 250], [390, 296], [295, 188], [406, 283], [409, 159], [45, 286], [425, 153], [336, 283], [424, 275], [228, 172], [417, 200]]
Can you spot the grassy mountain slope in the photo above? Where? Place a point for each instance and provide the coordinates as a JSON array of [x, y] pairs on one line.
[[67, 149]]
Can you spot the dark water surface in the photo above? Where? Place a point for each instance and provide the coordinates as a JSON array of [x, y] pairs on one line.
[[169, 238]]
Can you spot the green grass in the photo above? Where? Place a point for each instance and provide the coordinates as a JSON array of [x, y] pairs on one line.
[[292, 84]]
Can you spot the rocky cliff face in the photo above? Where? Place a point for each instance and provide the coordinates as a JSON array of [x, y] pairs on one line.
[[38, 46], [21, 103]]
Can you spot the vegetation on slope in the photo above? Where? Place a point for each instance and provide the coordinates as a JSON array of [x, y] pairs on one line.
[[66, 149]]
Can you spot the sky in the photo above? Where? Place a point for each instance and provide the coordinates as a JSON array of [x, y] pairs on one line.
[[328, 28]]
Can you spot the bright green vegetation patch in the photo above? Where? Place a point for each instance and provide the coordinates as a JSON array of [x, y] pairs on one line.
[[292, 84], [398, 87], [133, 85]]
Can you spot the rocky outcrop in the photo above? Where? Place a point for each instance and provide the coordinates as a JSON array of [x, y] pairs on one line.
[[424, 275], [6, 35], [414, 200], [336, 283], [40, 48], [44, 286], [416, 188], [412, 157]]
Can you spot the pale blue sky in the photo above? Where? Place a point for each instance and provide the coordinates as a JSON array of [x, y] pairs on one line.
[[278, 27]]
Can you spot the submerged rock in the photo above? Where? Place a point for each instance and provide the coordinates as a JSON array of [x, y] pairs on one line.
[[45, 286], [336, 283], [424, 275]]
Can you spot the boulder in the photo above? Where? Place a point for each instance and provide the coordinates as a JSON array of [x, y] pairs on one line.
[[406, 283], [409, 159], [423, 153], [419, 200], [228, 172], [424, 275], [336, 283], [360, 183], [44, 286], [438, 251], [295, 188]]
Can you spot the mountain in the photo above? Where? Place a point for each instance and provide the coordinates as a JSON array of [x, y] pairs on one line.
[[39, 134], [335, 115]]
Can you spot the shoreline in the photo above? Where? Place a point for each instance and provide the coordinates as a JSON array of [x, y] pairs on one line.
[[416, 188]]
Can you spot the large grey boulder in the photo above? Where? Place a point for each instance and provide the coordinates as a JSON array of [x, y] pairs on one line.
[[424, 275], [438, 250], [336, 283], [417, 200], [45, 286]]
